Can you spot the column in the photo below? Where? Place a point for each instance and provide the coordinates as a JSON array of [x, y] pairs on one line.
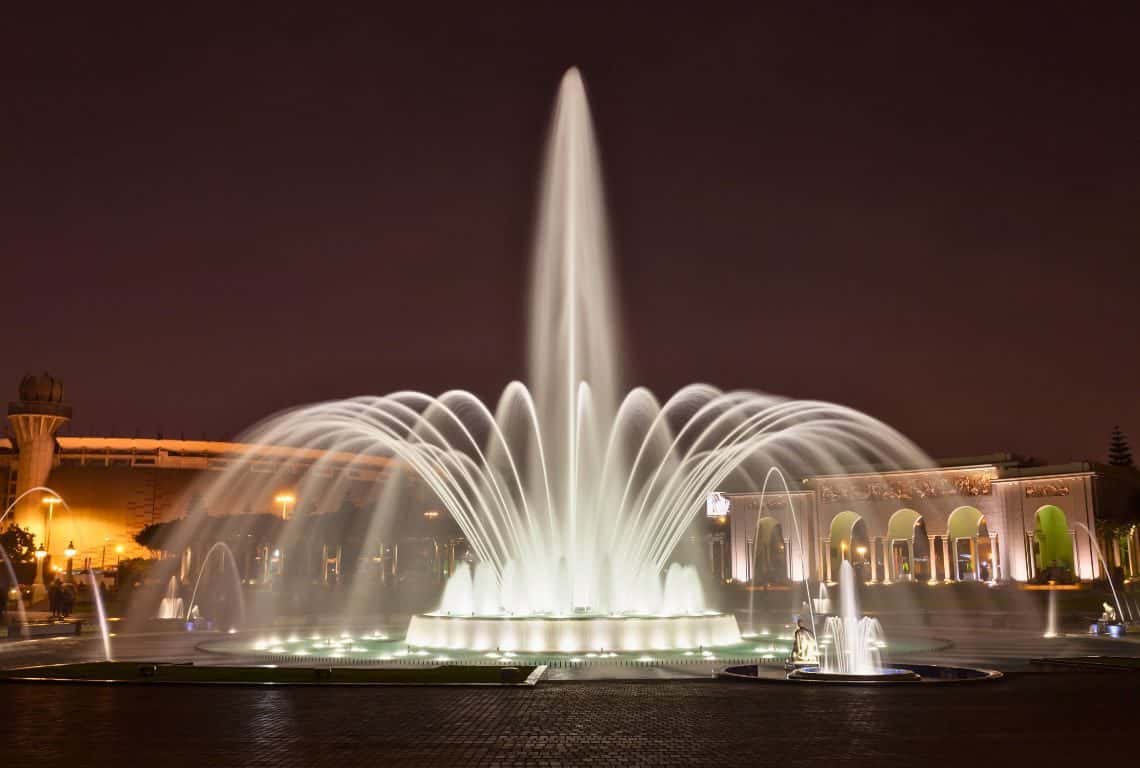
[[910, 558], [827, 558], [993, 557], [888, 561], [933, 561], [874, 560], [949, 567]]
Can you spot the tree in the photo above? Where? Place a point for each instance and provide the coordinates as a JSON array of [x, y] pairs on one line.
[[19, 544], [155, 535], [1119, 452]]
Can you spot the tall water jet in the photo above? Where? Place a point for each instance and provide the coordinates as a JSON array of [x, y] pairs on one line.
[[852, 642], [170, 606], [574, 333], [459, 594], [101, 615], [1051, 623]]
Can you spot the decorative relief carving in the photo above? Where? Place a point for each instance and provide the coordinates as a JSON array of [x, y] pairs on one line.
[[1047, 488], [909, 488], [718, 504]]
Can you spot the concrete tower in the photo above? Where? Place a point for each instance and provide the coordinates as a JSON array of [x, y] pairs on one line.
[[34, 420]]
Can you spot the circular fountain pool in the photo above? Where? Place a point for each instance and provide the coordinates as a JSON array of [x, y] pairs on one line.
[[899, 674], [881, 675]]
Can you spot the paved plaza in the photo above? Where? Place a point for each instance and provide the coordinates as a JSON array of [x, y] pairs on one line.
[[1049, 717], [566, 724]]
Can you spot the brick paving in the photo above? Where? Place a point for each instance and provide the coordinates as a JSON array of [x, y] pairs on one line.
[[1049, 718]]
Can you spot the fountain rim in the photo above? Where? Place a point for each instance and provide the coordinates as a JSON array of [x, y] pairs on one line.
[[582, 634], [815, 673], [929, 674], [511, 617]]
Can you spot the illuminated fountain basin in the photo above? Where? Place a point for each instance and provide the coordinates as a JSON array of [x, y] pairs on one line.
[[573, 634], [308, 646], [480, 611]]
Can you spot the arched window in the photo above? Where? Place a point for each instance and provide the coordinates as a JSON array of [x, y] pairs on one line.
[[771, 557], [1053, 544], [967, 531]]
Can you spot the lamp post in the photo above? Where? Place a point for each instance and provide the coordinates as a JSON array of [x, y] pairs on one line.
[[40, 585], [118, 559], [69, 553], [285, 499]]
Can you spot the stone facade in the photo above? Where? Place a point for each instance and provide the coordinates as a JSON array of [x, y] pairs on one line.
[[975, 520]]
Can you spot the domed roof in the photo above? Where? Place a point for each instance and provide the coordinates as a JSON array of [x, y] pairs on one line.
[[41, 389]]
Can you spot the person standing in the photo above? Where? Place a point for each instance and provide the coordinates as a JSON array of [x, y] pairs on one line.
[[67, 599], [55, 594]]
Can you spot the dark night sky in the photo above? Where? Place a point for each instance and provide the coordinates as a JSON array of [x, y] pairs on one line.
[[208, 216]]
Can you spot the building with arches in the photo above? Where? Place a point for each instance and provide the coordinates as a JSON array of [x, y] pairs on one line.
[[990, 519]]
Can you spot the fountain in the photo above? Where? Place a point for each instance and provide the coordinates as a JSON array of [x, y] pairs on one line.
[[850, 652], [572, 498], [1051, 621], [851, 642], [170, 607], [823, 602], [851, 645], [1117, 626], [193, 609]]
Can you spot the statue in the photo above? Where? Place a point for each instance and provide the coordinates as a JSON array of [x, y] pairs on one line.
[[804, 649], [1108, 616]]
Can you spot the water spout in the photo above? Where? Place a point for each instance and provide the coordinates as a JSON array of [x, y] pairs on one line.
[[1104, 567], [852, 643], [226, 553]]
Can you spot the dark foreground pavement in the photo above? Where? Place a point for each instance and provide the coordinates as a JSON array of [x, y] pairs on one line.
[[1031, 717]]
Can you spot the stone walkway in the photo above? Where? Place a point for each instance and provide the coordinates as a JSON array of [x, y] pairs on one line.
[[1033, 716], [1046, 718]]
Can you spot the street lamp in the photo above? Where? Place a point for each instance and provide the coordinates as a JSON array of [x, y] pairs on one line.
[[41, 580], [69, 553], [285, 499]]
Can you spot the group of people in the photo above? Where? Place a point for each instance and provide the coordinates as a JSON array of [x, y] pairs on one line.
[[61, 598]]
